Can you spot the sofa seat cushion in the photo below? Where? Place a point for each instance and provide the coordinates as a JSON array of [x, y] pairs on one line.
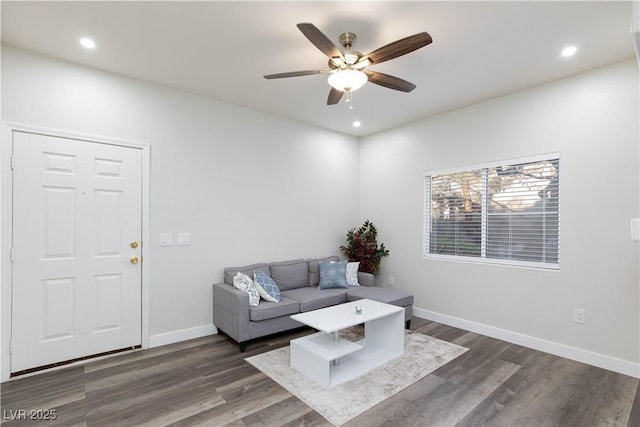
[[385, 295], [290, 274], [269, 310], [312, 298]]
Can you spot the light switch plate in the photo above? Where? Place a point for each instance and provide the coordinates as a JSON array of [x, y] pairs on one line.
[[166, 239], [184, 239], [635, 229]]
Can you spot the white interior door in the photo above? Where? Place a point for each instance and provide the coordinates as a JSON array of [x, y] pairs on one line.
[[77, 210]]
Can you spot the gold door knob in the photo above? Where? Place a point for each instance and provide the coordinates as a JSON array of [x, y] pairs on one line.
[[134, 244], [133, 260]]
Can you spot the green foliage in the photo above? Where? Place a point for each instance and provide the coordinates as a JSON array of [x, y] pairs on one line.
[[362, 246]]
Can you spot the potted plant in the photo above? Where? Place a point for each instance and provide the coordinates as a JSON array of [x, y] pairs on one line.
[[362, 247]]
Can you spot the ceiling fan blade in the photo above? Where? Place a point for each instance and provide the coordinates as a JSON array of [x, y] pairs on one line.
[[398, 48], [334, 96], [295, 74], [390, 81], [320, 41]]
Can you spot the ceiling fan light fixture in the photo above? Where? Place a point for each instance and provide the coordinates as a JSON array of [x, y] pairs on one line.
[[346, 66], [351, 57], [347, 80], [362, 63], [336, 62]]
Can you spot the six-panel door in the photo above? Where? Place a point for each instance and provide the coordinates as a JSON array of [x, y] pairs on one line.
[[76, 213]]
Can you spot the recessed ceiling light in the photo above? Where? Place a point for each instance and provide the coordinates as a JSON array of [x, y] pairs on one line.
[[569, 51], [87, 43], [356, 124]]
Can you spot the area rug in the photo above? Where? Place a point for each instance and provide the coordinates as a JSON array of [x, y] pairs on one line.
[[422, 355]]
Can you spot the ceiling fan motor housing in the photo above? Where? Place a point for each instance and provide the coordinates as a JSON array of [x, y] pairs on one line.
[[347, 40]]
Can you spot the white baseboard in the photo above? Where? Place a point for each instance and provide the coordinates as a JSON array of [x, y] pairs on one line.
[[182, 335], [585, 356]]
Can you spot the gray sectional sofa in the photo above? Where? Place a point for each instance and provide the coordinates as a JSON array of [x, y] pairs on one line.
[[298, 284]]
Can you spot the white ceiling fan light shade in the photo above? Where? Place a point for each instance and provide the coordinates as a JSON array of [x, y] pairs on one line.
[[347, 80]]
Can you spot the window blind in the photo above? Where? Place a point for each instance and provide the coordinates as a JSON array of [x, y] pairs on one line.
[[507, 212]]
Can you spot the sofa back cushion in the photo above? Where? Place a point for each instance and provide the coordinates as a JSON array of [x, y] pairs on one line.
[[290, 274], [314, 270], [247, 269]]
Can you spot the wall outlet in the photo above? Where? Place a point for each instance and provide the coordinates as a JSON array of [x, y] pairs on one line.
[[392, 281], [578, 315]]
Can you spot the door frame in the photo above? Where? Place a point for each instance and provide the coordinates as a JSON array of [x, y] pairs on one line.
[[6, 227]]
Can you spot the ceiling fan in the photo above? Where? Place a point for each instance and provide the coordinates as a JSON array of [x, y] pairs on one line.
[[347, 68]]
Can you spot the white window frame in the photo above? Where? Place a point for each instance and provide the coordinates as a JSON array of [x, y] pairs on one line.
[[482, 258]]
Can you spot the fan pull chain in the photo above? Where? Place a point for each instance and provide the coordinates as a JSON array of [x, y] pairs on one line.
[[349, 100]]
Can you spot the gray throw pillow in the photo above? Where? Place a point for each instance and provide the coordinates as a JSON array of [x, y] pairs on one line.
[[333, 275]]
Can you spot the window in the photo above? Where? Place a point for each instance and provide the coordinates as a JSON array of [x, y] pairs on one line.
[[501, 213]]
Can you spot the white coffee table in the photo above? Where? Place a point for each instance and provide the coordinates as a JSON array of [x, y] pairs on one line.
[[329, 360]]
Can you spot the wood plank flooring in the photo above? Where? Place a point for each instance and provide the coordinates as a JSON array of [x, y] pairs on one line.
[[207, 382]]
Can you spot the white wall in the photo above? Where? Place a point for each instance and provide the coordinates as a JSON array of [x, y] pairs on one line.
[[592, 120], [248, 186]]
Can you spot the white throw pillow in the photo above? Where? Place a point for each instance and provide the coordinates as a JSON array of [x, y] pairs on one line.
[[244, 283], [352, 273]]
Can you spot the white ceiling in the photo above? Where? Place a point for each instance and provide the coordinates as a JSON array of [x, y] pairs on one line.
[[220, 50]]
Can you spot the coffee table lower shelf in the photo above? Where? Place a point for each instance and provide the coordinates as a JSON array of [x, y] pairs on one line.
[[331, 362]]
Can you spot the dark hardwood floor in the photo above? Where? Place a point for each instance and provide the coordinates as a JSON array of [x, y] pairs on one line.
[[207, 382]]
